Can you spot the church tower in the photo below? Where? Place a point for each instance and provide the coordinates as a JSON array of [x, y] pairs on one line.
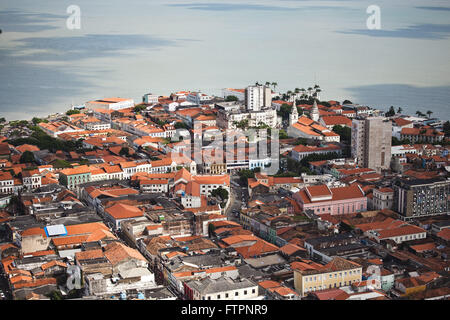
[[314, 115], [293, 116]]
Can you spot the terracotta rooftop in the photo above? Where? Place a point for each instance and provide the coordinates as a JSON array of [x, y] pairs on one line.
[[124, 211]]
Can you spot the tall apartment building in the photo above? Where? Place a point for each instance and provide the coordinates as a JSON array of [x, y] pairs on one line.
[[419, 198], [258, 97], [371, 142]]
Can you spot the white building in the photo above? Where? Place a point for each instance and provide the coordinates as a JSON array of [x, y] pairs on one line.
[[98, 126], [258, 97], [110, 104], [198, 98], [223, 289], [150, 98]]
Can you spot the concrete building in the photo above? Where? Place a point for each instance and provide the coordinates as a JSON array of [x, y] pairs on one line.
[[72, 177], [335, 201], [258, 97], [110, 104], [230, 114], [150, 98], [383, 198], [313, 277], [419, 198], [221, 289], [371, 142]]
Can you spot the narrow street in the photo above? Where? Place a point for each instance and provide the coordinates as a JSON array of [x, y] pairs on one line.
[[237, 194]]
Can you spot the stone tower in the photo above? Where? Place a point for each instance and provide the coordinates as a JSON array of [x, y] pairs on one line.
[[293, 116], [315, 112]]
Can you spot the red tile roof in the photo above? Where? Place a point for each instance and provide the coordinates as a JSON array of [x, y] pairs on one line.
[[124, 211]]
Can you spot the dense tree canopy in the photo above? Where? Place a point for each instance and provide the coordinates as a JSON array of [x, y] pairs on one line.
[[391, 112], [44, 141], [27, 157], [124, 151], [231, 98], [72, 111], [344, 131]]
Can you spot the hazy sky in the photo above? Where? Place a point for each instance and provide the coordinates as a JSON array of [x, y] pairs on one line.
[[129, 48]]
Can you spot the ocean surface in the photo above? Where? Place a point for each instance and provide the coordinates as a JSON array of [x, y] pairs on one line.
[[129, 48]]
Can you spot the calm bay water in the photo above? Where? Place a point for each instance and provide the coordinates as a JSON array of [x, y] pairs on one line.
[[129, 48]]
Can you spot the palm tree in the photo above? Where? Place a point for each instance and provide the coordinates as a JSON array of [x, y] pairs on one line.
[[274, 84], [429, 113], [297, 90], [316, 86], [267, 83], [419, 113], [399, 110]]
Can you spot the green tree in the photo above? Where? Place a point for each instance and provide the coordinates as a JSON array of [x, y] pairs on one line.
[[181, 125], [245, 174], [241, 124], [283, 134], [36, 120], [446, 128], [139, 108], [429, 113], [284, 111], [274, 84], [399, 110], [420, 113], [231, 98], [302, 141], [211, 229], [347, 102], [344, 131], [391, 112], [124, 151], [221, 192], [61, 164], [72, 111], [27, 157]]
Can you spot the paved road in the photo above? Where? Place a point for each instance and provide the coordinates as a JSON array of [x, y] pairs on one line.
[[237, 193]]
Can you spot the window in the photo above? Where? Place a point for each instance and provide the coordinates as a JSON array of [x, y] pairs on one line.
[[226, 295], [236, 294], [218, 296], [245, 292], [253, 290]]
